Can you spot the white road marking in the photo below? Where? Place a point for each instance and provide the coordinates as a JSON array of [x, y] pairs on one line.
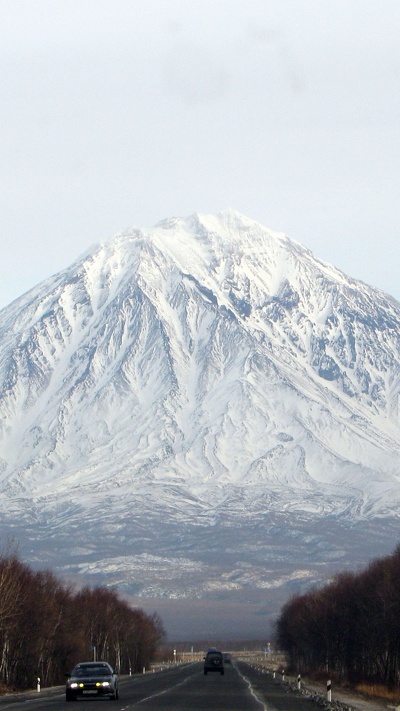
[[253, 693], [160, 693]]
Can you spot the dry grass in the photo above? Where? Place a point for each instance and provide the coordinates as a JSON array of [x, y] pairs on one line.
[[4, 689], [379, 691]]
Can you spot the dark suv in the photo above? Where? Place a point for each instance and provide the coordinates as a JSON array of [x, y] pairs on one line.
[[214, 662]]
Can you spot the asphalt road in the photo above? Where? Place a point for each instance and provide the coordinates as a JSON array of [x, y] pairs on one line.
[[182, 688]]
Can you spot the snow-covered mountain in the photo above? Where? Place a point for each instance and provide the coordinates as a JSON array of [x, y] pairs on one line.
[[201, 410]]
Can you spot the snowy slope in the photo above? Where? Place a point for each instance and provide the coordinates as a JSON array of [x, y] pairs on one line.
[[205, 374]]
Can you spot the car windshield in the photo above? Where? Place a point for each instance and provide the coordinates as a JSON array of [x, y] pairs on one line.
[[92, 670]]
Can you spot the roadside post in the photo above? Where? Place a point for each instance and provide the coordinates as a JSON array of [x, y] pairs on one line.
[[329, 690]]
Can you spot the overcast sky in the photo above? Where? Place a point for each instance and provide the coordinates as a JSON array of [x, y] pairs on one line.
[[119, 113]]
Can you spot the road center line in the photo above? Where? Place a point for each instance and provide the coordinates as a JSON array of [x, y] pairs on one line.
[[165, 691]]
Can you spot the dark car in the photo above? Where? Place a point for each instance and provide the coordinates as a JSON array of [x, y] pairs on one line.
[[214, 662], [91, 679]]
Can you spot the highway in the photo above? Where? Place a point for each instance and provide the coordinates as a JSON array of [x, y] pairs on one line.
[[180, 688]]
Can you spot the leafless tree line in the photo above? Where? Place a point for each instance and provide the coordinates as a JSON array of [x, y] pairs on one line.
[[46, 627], [350, 627]]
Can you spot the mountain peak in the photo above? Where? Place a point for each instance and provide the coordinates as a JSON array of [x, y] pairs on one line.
[[226, 217]]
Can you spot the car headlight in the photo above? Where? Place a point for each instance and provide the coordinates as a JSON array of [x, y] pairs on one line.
[[73, 685]]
